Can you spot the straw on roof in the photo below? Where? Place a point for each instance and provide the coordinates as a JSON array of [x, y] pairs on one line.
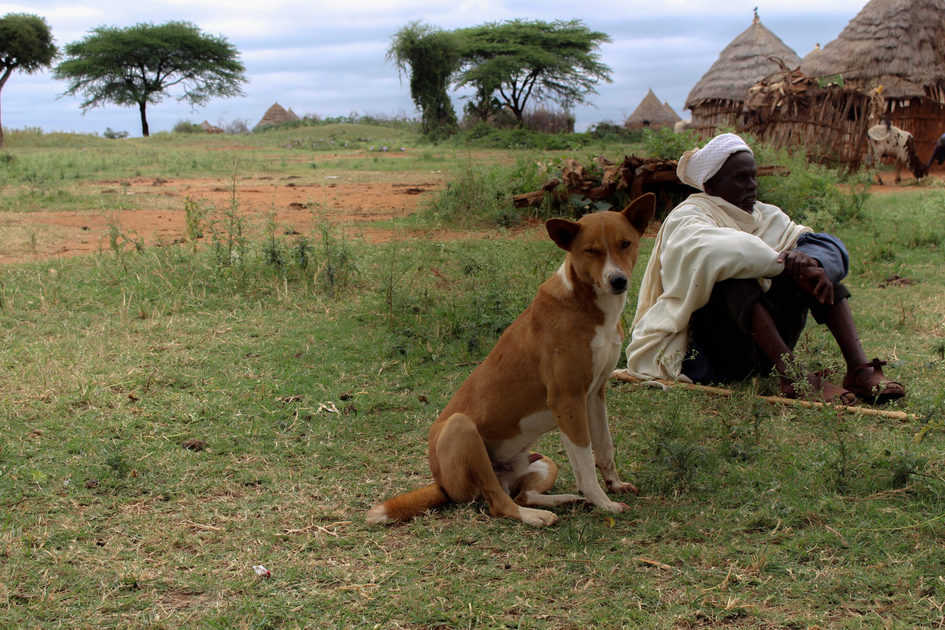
[[276, 115], [651, 112], [672, 112], [899, 44], [740, 65]]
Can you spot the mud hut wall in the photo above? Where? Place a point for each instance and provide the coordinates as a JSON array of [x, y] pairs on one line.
[[711, 116], [823, 143]]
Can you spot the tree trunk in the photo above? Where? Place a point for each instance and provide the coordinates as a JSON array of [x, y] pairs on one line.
[[3, 81], [144, 118], [519, 116]]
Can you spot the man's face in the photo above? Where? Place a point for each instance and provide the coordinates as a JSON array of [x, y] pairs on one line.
[[736, 181]]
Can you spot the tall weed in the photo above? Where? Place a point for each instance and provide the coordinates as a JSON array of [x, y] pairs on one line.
[[337, 269], [476, 196]]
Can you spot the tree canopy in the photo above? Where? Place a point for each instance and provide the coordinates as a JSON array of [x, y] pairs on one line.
[[140, 64], [531, 59], [430, 57], [26, 44]]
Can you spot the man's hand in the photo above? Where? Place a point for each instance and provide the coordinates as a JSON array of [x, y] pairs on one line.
[[808, 275]]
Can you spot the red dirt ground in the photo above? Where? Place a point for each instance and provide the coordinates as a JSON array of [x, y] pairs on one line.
[[299, 206], [154, 212]]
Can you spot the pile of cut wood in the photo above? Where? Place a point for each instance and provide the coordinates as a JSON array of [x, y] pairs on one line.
[[609, 185]]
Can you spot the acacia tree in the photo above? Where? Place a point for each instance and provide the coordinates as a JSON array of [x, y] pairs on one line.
[[26, 44], [430, 57], [140, 64], [531, 59]]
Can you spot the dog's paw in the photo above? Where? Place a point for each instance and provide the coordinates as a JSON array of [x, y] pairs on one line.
[[614, 506], [537, 518], [377, 515], [621, 487]]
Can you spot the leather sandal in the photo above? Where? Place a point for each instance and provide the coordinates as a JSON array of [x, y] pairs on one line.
[[884, 390]]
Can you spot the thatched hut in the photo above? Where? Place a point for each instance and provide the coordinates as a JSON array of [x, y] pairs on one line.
[[717, 99], [899, 45], [276, 115], [651, 114]]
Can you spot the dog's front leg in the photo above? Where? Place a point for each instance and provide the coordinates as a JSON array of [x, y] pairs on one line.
[[571, 415], [603, 443]]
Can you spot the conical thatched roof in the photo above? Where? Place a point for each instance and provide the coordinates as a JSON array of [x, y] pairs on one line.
[[740, 65], [276, 115], [651, 113], [672, 112], [899, 44]]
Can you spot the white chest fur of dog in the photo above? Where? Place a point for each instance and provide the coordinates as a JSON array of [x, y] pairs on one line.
[[548, 370]]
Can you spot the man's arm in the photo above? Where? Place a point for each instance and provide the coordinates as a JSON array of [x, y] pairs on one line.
[[808, 274], [829, 251]]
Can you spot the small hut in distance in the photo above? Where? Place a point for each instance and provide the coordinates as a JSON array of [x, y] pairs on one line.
[[716, 100], [276, 115], [651, 114]]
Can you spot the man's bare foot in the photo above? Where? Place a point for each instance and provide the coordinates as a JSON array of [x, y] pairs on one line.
[[817, 389]]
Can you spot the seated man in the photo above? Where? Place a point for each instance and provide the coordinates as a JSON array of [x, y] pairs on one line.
[[730, 281]]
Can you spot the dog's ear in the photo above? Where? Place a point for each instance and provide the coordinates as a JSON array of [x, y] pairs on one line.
[[640, 211], [562, 232]]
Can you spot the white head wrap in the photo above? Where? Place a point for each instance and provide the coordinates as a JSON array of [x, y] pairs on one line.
[[697, 166]]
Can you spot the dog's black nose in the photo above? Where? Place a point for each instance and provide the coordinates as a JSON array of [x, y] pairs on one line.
[[618, 284]]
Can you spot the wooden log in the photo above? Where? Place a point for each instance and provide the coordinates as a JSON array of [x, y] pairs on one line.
[[528, 200], [624, 376], [534, 198]]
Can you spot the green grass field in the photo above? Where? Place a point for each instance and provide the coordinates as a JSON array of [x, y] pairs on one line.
[[172, 416]]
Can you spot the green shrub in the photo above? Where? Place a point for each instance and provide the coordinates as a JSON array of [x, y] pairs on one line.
[[475, 196], [185, 126], [810, 193], [484, 195], [111, 134], [666, 144], [313, 120], [486, 136], [612, 132]]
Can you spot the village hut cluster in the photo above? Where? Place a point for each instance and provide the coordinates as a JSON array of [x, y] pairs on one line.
[[887, 67]]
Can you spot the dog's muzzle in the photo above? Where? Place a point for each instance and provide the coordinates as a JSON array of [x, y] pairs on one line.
[[617, 283]]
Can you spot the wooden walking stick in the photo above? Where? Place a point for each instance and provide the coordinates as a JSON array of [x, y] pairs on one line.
[[626, 377]]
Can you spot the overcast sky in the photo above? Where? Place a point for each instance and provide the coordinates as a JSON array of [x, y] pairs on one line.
[[328, 57]]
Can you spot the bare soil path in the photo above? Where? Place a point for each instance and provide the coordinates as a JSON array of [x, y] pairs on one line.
[[152, 212]]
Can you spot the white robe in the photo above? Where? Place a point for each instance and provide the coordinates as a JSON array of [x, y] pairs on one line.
[[703, 241]]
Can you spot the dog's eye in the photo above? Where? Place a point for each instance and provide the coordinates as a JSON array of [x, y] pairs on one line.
[[593, 251], [625, 244]]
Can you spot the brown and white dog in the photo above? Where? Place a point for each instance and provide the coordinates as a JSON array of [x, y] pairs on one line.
[[549, 369]]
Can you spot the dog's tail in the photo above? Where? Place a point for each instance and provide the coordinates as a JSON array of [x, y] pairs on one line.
[[405, 506]]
